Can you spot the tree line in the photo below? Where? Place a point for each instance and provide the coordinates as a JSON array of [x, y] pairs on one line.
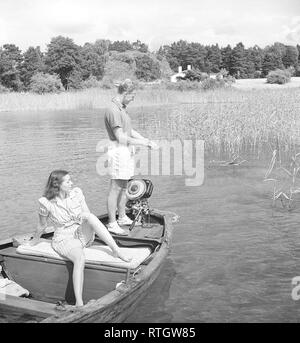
[[73, 66], [240, 62]]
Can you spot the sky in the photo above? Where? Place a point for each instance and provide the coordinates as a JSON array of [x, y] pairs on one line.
[[155, 22]]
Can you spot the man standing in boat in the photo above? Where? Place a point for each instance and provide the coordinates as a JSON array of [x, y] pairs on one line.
[[123, 138]]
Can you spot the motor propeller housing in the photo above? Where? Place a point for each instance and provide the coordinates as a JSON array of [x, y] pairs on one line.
[[138, 192], [138, 189]]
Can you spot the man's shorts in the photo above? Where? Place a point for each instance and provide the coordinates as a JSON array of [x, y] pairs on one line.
[[120, 161]]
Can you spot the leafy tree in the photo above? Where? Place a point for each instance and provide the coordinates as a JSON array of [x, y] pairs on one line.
[[139, 46], [93, 61], [75, 79], [255, 56], [298, 67], [126, 57], [226, 57], [146, 68], [32, 63], [116, 70], [4, 89], [291, 57], [298, 48], [272, 60], [166, 52], [182, 53], [280, 48], [91, 82], [279, 76], [213, 59], [10, 64], [45, 83], [193, 75], [198, 53], [250, 64], [120, 46], [163, 51], [165, 69], [101, 46], [63, 56], [238, 61]]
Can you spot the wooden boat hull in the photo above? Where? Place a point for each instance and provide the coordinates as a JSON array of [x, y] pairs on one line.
[[116, 306], [50, 280], [55, 278]]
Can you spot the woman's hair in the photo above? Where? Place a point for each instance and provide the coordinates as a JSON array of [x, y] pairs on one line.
[[53, 184]]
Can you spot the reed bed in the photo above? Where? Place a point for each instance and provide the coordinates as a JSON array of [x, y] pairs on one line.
[[89, 99], [234, 120]]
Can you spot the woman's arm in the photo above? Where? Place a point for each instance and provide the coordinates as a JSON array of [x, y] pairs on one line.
[[84, 206], [41, 227]]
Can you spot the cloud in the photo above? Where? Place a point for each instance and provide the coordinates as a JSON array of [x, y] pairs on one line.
[[155, 22], [292, 31], [226, 29], [120, 29], [3, 32], [73, 28]]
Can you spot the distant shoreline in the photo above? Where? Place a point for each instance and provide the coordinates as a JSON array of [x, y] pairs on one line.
[[244, 84], [94, 98], [97, 98]]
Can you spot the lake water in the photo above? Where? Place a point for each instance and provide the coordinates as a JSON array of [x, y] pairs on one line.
[[233, 255]]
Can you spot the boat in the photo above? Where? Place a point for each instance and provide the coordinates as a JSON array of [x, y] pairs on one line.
[[37, 282]]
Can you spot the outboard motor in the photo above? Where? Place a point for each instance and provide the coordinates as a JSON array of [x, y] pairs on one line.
[[138, 192]]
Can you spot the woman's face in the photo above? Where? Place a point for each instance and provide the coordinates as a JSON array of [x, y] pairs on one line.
[[66, 184]]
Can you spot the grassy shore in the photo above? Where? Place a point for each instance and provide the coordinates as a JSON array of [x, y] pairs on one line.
[[247, 84]]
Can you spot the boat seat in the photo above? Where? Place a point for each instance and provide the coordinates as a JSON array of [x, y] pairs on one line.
[[97, 254]]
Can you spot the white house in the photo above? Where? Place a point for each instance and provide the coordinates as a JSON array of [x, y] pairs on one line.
[[181, 73]]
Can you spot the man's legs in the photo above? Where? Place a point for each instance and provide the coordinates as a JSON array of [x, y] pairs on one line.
[[116, 198], [122, 199]]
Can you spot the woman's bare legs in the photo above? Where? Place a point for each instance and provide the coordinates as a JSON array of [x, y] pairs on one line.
[[101, 231], [76, 255]]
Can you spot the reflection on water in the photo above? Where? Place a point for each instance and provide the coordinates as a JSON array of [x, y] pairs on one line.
[[233, 256], [156, 299]]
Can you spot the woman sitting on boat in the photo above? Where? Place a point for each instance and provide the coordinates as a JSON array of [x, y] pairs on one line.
[[75, 226]]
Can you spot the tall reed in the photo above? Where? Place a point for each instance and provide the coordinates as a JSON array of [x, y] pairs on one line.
[[89, 99], [232, 120]]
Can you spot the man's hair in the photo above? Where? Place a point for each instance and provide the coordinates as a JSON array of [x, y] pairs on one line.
[[126, 86]]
